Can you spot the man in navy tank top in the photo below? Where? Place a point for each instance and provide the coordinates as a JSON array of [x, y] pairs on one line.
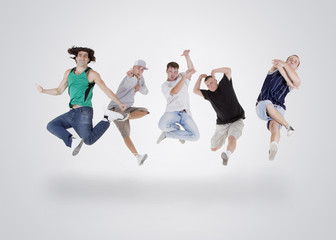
[[280, 80], [80, 81]]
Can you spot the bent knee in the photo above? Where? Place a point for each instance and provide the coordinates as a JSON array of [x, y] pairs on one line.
[[88, 141], [274, 126], [50, 126], [214, 149], [195, 136]]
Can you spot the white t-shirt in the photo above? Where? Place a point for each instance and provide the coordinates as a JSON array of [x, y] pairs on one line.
[[179, 101]]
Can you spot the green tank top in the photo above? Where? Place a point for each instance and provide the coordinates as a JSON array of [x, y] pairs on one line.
[[80, 89]]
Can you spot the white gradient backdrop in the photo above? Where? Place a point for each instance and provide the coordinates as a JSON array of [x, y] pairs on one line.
[[182, 191]]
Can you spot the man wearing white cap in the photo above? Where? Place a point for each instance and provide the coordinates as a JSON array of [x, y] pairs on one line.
[[131, 84]]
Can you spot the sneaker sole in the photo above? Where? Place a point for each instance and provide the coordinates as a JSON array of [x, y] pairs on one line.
[[160, 139], [124, 118], [225, 158], [143, 160], [111, 116], [290, 133], [77, 149]]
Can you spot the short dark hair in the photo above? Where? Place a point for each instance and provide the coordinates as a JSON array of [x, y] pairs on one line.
[[75, 50], [294, 56], [173, 65], [207, 77]]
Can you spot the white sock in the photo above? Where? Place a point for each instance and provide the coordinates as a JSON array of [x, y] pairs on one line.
[[228, 153]]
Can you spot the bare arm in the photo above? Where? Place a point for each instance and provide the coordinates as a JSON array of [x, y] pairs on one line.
[[225, 70], [197, 87], [93, 75], [56, 91], [292, 74], [279, 65], [180, 84], [189, 62]]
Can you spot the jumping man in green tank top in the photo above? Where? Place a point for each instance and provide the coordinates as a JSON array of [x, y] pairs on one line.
[[80, 82]]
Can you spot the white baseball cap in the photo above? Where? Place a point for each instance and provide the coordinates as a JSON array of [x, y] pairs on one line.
[[140, 63]]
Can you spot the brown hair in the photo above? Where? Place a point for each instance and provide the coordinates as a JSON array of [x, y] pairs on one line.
[[207, 77], [173, 65], [75, 50]]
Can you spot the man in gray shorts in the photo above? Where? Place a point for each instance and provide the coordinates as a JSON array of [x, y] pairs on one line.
[[230, 114], [133, 82], [280, 80]]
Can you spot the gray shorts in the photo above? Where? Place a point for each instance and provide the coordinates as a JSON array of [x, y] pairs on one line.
[[234, 129], [124, 126]]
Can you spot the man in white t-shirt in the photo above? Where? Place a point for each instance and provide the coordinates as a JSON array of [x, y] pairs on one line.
[[177, 113]]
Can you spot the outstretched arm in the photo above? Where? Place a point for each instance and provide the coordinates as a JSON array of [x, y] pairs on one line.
[[225, 70], [93, 75], [56, 91], [189, 62], [180, 84], [197, 87]]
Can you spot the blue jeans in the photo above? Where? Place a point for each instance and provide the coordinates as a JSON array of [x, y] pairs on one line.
[[170, 124], [80, 119]]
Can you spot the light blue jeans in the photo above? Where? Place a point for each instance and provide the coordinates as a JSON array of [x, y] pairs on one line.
[[170, 123]]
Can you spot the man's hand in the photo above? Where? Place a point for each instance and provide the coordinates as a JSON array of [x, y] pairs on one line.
[[39, 88], [213, 73], [203, 76], [185, 52], [277, 63], [122, 107], [137, 87], [130, 73]]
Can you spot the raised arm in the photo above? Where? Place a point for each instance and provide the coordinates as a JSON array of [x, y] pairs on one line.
[[280, 65], [197, 87], [225, 70], [292, 74], [93, 75], [56, 91], [179, 85], [188, 59]]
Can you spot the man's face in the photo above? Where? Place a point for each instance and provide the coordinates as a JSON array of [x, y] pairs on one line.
[[293, 62], [82, 58], [211, 84], [172, 73], [138, 71]]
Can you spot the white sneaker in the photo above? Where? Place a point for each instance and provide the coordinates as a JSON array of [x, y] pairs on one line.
[[76, 145], [290, 130], [124, 117], [161, 137], [111, 115], [141, 158], [182, 141], [272, 150]]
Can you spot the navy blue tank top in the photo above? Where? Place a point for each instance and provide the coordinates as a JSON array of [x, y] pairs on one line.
[[274, 89]]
